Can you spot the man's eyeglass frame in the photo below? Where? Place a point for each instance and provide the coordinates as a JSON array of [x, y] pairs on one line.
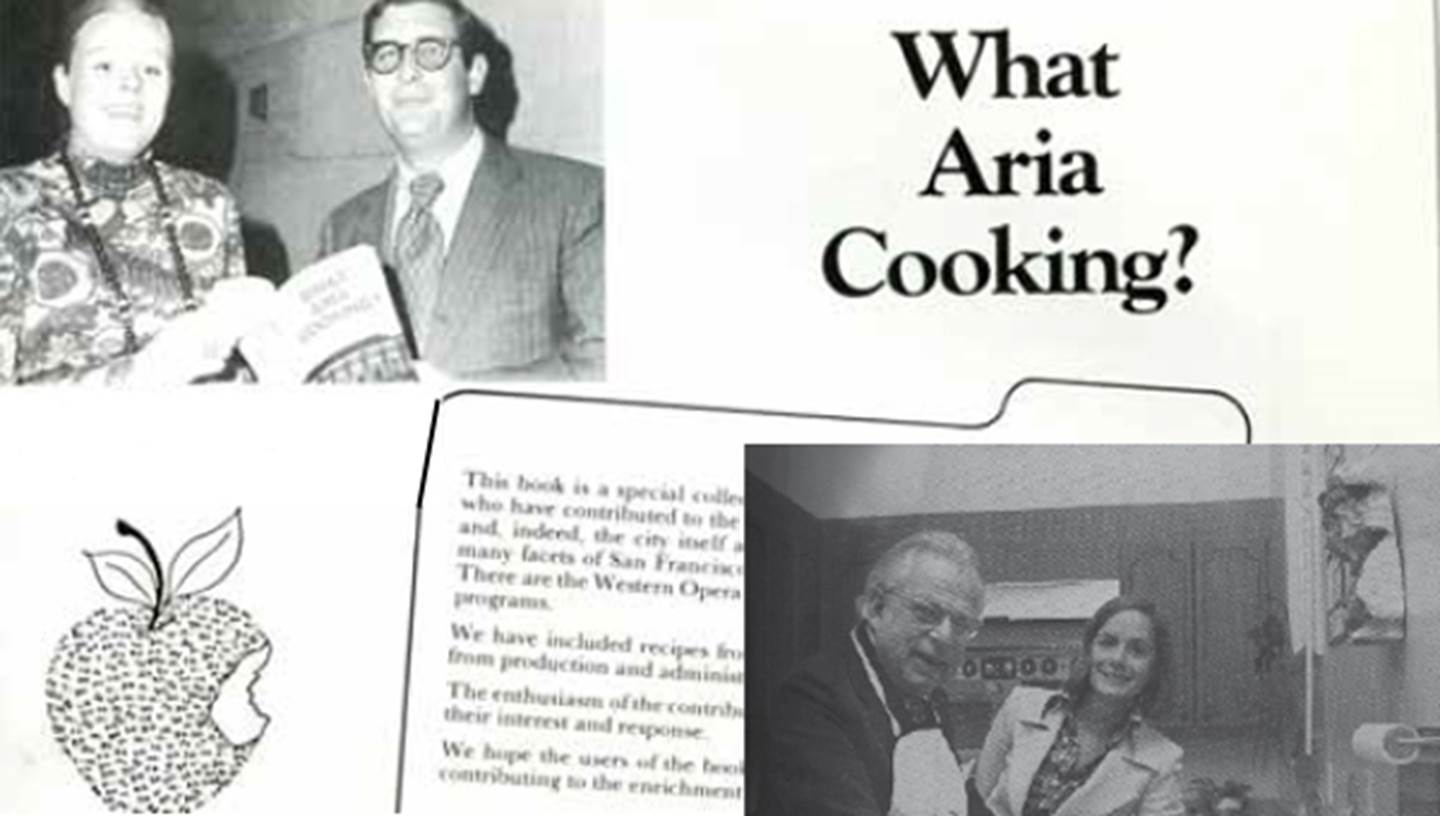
[[424, 51], [930, 615]]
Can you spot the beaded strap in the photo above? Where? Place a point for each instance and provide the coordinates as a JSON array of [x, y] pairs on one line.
[[167, 215], [125, 307]]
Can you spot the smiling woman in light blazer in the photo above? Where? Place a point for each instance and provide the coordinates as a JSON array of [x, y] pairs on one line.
[[1086, 750]]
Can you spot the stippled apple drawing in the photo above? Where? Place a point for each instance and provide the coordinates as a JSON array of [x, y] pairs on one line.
[[153, 701]]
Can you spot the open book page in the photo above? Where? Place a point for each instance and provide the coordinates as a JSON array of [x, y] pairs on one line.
[[334, 320]]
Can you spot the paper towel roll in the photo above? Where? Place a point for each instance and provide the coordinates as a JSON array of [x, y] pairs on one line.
[[1381, 742]]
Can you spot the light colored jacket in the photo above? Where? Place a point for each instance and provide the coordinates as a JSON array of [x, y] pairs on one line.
[[1138, 777]]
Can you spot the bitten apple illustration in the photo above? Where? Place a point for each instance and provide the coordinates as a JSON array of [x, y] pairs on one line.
[[153, 701]]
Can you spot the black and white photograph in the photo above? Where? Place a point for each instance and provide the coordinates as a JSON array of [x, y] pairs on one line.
[[187, 186], [1086, 629]]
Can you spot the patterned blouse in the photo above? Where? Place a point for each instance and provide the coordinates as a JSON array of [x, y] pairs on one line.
[[1061, 774], [61, 318]]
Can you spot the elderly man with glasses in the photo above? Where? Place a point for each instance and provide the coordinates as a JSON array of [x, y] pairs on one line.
[[497, 253], [848, 721]]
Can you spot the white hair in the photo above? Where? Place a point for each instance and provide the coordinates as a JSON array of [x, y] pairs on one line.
[[881, 577]]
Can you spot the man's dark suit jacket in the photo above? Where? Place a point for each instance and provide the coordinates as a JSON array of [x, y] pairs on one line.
[[830, 742], [522, 291]]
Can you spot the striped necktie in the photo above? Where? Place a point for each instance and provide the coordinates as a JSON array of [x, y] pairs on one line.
[[420, 253]]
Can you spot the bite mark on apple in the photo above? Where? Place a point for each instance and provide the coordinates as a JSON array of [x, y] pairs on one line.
[[234, 711]]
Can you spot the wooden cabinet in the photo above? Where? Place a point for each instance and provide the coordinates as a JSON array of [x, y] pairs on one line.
[[1214, 578], [1162, 572], [1233, 594]]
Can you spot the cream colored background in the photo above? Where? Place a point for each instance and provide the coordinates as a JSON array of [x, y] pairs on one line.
[[1299, 138]]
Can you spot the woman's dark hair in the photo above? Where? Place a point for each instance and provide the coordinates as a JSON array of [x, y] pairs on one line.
[[79, 13], [1078, 684]]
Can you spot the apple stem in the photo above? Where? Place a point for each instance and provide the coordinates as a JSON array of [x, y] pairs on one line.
[[124, 528]]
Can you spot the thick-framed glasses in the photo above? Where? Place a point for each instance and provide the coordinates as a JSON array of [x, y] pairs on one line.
[[431, 54], [930, 615]]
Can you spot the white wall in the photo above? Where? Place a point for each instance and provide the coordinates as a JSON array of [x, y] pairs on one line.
[[1401, 681], [227, 27]]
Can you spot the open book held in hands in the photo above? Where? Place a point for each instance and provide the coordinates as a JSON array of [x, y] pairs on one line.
[[334, 321]]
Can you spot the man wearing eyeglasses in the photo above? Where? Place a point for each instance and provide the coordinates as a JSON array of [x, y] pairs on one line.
[[497, 251], [857, 728]]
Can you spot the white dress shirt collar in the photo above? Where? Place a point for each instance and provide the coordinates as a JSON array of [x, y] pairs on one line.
[[874, 678], [456, 171]]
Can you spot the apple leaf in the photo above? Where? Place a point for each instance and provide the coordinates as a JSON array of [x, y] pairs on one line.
[[126, 577], [205, 560]]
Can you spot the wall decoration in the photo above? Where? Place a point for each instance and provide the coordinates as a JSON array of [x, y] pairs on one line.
[[1364, 570]]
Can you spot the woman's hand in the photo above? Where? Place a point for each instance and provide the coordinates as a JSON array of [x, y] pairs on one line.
[[199, 344]]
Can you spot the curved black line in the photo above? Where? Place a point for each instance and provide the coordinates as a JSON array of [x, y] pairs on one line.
[[410, 625], [879, 420], [129, 579], [429, 447], [124, 528], [763, 412], [1125, 386]]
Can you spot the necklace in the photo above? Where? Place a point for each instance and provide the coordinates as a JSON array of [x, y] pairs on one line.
[[124, 306]]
